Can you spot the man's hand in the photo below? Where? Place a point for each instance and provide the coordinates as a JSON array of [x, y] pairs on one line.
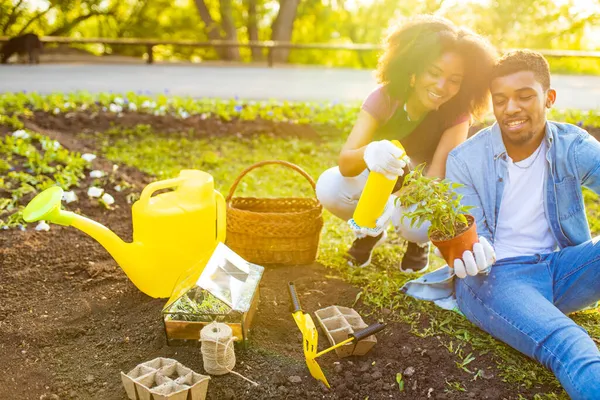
[[381, 223], [476, 261], [384, 157]]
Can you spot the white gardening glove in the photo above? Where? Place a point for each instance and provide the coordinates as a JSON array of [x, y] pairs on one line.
[[381, 223], [383, 157], [477, 261]]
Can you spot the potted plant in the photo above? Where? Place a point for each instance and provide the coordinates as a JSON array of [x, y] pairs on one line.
[[452, 229]]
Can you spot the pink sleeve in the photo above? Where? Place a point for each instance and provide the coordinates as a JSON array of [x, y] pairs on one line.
[[380, 105]]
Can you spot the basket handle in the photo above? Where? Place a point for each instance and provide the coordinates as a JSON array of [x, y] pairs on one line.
[[262, 163]]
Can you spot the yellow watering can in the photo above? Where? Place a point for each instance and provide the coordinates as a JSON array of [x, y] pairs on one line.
[[172, 231]]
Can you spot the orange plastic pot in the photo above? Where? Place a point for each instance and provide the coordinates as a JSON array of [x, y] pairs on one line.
[[454, 248]]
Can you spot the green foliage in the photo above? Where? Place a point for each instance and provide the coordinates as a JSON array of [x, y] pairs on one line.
[[455, 386], [436, 201], [28, 165], [400, 381], [197, 305]]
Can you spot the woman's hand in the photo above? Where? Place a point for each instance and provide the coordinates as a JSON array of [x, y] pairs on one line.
[[384, 157]]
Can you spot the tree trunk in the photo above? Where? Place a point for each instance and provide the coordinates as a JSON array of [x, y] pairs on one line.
[[257, 53], [283, 26], [233, 53], [213, 31]]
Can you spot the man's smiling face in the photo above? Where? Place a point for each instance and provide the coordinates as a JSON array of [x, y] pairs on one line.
[[520, 103]]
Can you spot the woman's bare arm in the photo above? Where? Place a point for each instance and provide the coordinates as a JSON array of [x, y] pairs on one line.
[[451, 138], [351, 160]]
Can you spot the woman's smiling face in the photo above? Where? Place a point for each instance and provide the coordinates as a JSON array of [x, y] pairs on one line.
[[440, 81]]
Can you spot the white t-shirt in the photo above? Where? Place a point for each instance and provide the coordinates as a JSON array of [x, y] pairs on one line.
[[523, 227]]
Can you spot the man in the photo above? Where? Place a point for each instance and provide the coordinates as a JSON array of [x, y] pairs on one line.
[[524, 175]]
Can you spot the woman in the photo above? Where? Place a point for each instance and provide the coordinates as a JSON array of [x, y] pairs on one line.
[[433, 80]]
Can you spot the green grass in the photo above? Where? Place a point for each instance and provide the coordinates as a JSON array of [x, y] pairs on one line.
[[225, 157]]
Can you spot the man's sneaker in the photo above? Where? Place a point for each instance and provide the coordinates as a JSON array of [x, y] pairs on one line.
[[359, 255], [416, 258]]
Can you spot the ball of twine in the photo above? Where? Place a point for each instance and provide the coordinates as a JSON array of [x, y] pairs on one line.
[[217, 350]]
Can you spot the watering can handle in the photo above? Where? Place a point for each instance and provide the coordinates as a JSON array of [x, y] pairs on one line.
[[294, 298], [221, 217], [155, 186]]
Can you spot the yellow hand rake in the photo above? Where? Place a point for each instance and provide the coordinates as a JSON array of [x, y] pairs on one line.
[[310, 337]]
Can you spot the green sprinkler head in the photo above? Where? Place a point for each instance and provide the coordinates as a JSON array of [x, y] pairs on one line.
[[47, 206]]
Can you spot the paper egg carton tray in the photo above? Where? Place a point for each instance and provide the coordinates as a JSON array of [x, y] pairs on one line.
[[338, 322], [162, 379]]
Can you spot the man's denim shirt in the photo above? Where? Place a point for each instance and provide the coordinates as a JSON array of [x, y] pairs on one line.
[[480, 164]]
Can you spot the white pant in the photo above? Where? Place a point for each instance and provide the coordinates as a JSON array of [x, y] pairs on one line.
[[339, 195]]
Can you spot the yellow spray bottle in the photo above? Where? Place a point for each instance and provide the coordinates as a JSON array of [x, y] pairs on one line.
[[374, 197]]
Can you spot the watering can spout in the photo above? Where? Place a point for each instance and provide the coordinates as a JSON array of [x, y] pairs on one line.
[[47, 206]]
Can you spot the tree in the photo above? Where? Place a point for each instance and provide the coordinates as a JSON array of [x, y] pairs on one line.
[[224, 30], [282, 27], [253, 34]]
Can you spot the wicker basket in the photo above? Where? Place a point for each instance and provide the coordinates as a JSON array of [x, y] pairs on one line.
[[274, 230]]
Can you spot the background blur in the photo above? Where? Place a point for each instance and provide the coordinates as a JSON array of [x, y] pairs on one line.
[[536, 24]]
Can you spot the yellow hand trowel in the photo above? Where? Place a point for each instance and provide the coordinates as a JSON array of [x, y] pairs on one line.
[[310, 337]]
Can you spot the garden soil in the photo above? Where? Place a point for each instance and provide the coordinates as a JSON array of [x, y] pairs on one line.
[[70, 320]]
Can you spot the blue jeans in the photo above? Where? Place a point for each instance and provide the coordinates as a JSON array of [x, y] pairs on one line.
[[524, 301]]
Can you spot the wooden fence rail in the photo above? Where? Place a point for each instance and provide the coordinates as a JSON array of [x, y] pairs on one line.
[[270, 45]]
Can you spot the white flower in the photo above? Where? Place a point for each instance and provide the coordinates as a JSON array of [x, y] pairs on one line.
[[95, 191], [21, 134], [42, 226], [183, 114], [57, 110], [84, 107], [88, 157], [69, 197], [96, 174], [132, 107], [67, 105], [119, 101], [115, 108], [108, 199], [148, 104], [118, 188], [50, 144], [203, 116]]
